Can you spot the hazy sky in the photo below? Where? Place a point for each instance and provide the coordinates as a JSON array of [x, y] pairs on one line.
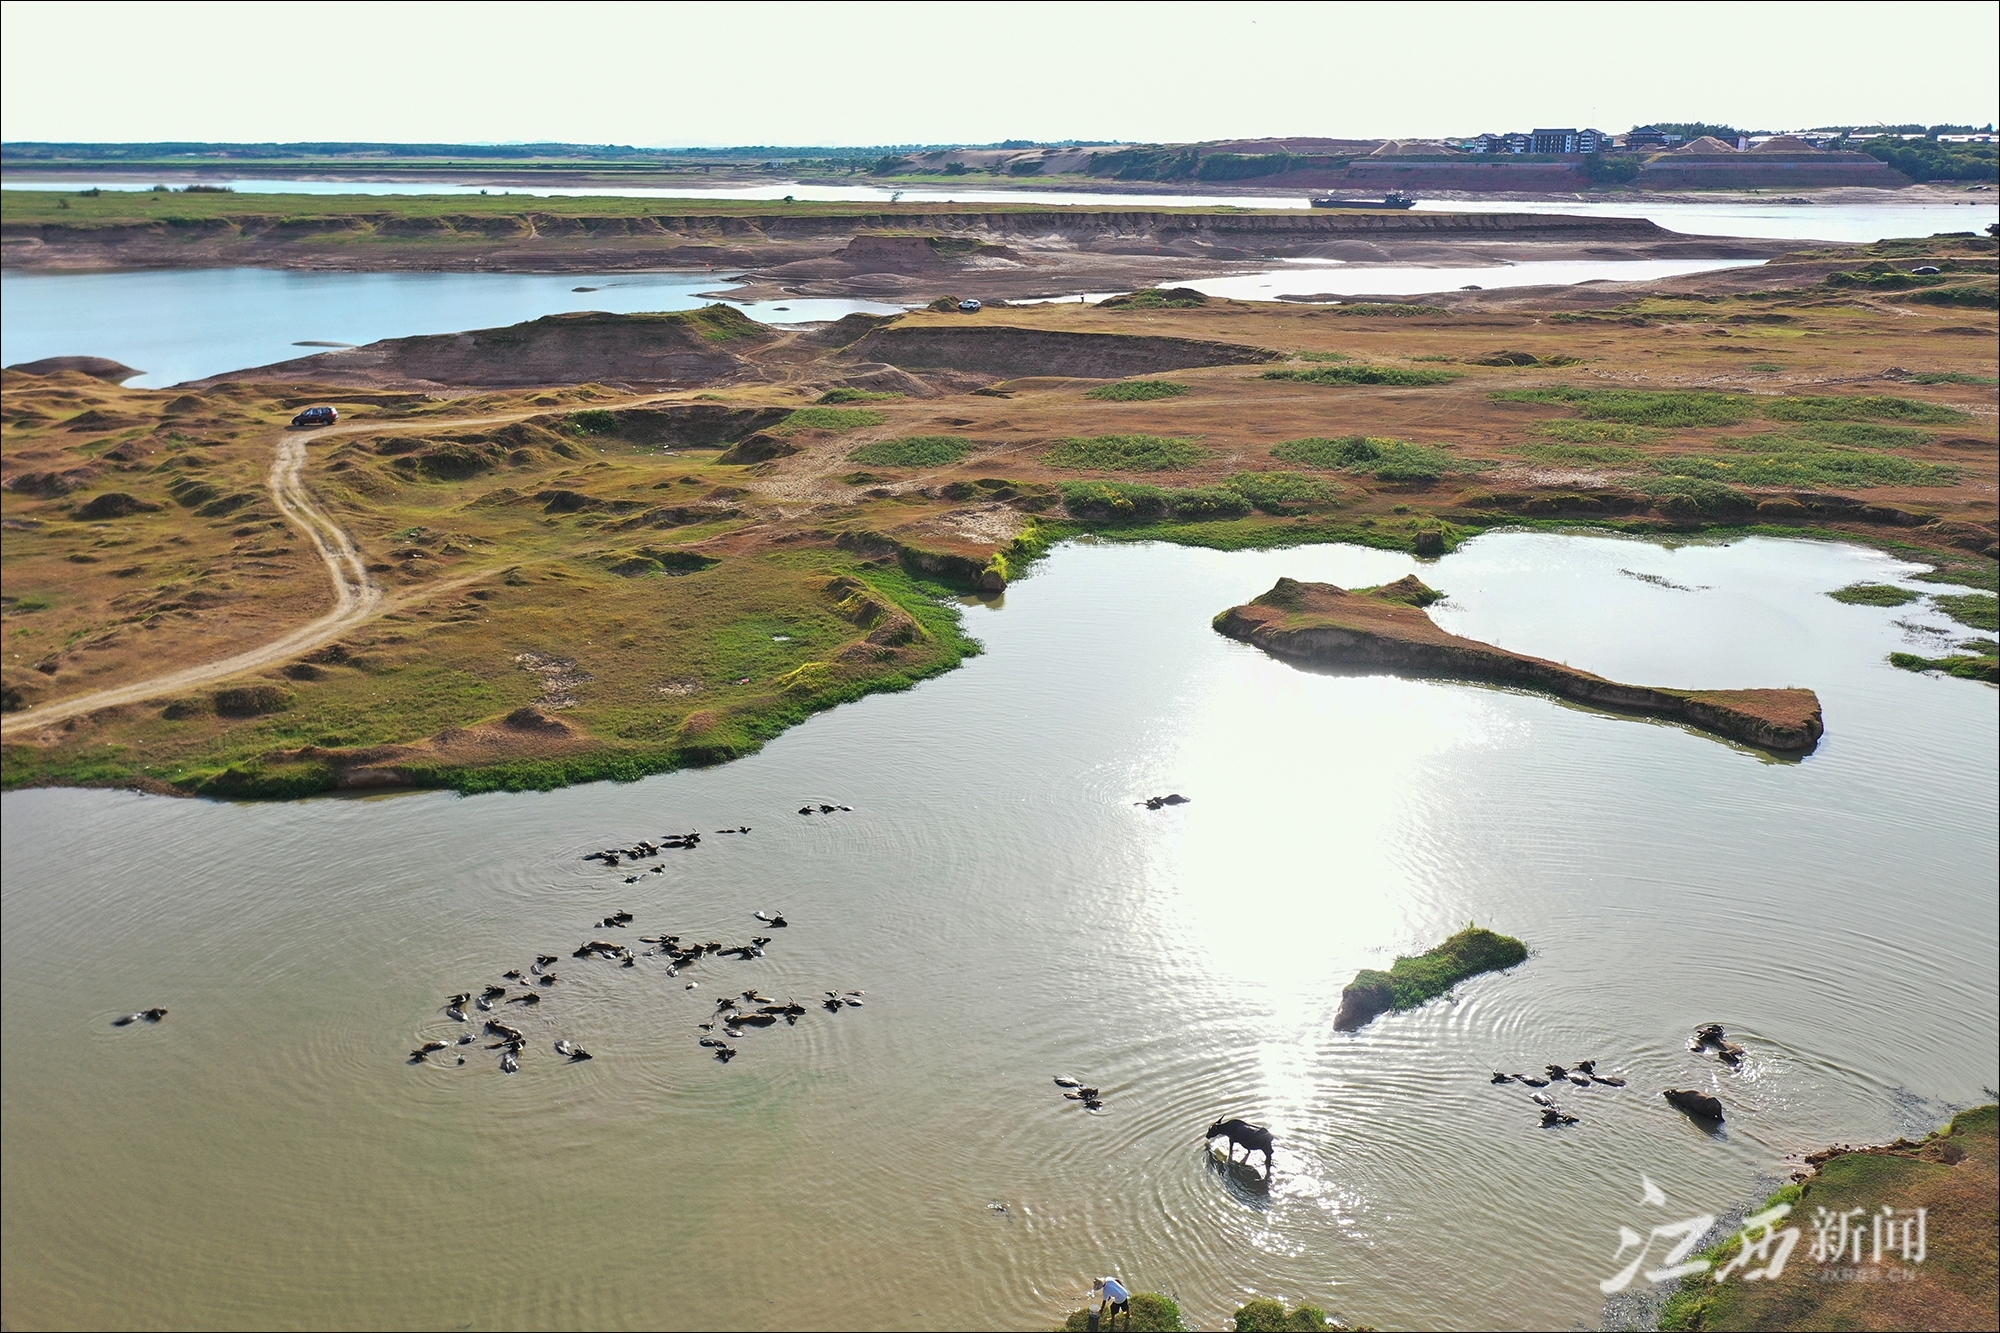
[[733, 74]]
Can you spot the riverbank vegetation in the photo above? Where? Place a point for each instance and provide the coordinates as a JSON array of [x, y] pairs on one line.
[[600, 575], [1152, 1312], [1409, 982], [1951, 1174]]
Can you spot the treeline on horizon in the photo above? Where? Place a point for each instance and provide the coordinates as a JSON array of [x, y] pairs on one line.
[[1917, 159], [40, 150], [29, 150]]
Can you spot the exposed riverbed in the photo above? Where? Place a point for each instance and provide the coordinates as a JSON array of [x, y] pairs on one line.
[[1792, 218], [264, 1156]]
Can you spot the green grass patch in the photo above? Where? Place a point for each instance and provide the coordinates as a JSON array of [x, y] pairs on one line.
[[1579, 455], [1127, 453], [1281, 492], [1156, 298], [1873, 594], [1136, 391], [1863, 435], [836, 419], [1953, 569], [848, 395], [592, 421], [1953, 377], [1571, 430], [1411, 981], [1954, 1185], [914, 451], [1383, 459], [1151, 1313], [1321, 356], [1388, 308], [1694, 497], [1964, 298], [1781, 460], [1130, 502], [1353, 374], [1868, 407], [1267, 1316], [719, 323], [1975, 610], [1764, 367], [1986, 668], [1669, 409]]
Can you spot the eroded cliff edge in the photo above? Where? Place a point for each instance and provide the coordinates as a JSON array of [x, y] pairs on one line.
[[1386, 627]]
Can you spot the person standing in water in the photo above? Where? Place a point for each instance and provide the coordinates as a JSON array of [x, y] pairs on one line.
[[1112, 1300]]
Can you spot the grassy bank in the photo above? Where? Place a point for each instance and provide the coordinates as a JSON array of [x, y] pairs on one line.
[[658, 575], [1951, 1174], [125, 208]]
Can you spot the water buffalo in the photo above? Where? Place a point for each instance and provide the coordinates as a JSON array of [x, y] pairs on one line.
[[1242, 1134]]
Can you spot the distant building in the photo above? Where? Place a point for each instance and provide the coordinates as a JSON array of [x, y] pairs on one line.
[[1648, 136], [1541, 141]]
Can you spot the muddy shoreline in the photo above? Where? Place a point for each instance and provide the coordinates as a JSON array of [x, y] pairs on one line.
[[1386, 628], [884, 254]]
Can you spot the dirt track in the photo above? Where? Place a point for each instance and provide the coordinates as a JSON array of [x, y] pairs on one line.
[[356, 599]]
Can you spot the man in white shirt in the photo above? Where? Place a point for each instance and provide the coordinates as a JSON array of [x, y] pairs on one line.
[[1113, 1299]]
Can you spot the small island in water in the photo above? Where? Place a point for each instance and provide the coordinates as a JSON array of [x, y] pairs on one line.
[[1386, 627], [1411, 981]]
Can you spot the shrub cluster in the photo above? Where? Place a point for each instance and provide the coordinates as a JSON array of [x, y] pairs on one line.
[[845, 394], [1129, 502], [914, 451], [1783, 460], [1136, 391], [836, 419], [1351, 374], [1873, 594], [1127, 453], [1382, 459]]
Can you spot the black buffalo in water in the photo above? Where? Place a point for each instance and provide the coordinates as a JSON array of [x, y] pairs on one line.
[[1242, 1134]]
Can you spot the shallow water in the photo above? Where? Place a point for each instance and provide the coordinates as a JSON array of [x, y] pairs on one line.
[[1362, 280], [265, 1158], [185, 324], [1769, 218]]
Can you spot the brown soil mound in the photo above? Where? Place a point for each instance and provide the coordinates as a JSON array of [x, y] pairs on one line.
[[683, 425], [97, 367], [530, 718], [1704, 146], [1386, 627], [1012, 352], [680, 349]]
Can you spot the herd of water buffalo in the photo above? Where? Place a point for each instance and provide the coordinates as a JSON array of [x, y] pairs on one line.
[[732, 1016]]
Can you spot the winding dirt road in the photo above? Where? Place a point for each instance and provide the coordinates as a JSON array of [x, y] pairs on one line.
[[356, 598]]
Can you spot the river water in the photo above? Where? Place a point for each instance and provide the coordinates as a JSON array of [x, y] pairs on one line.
[[1318, 277], [184, 324], [266, 1158]]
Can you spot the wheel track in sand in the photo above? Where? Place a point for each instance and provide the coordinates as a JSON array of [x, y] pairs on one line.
[[357, 598]]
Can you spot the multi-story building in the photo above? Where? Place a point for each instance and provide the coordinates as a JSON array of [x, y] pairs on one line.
[[1647, 136]]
